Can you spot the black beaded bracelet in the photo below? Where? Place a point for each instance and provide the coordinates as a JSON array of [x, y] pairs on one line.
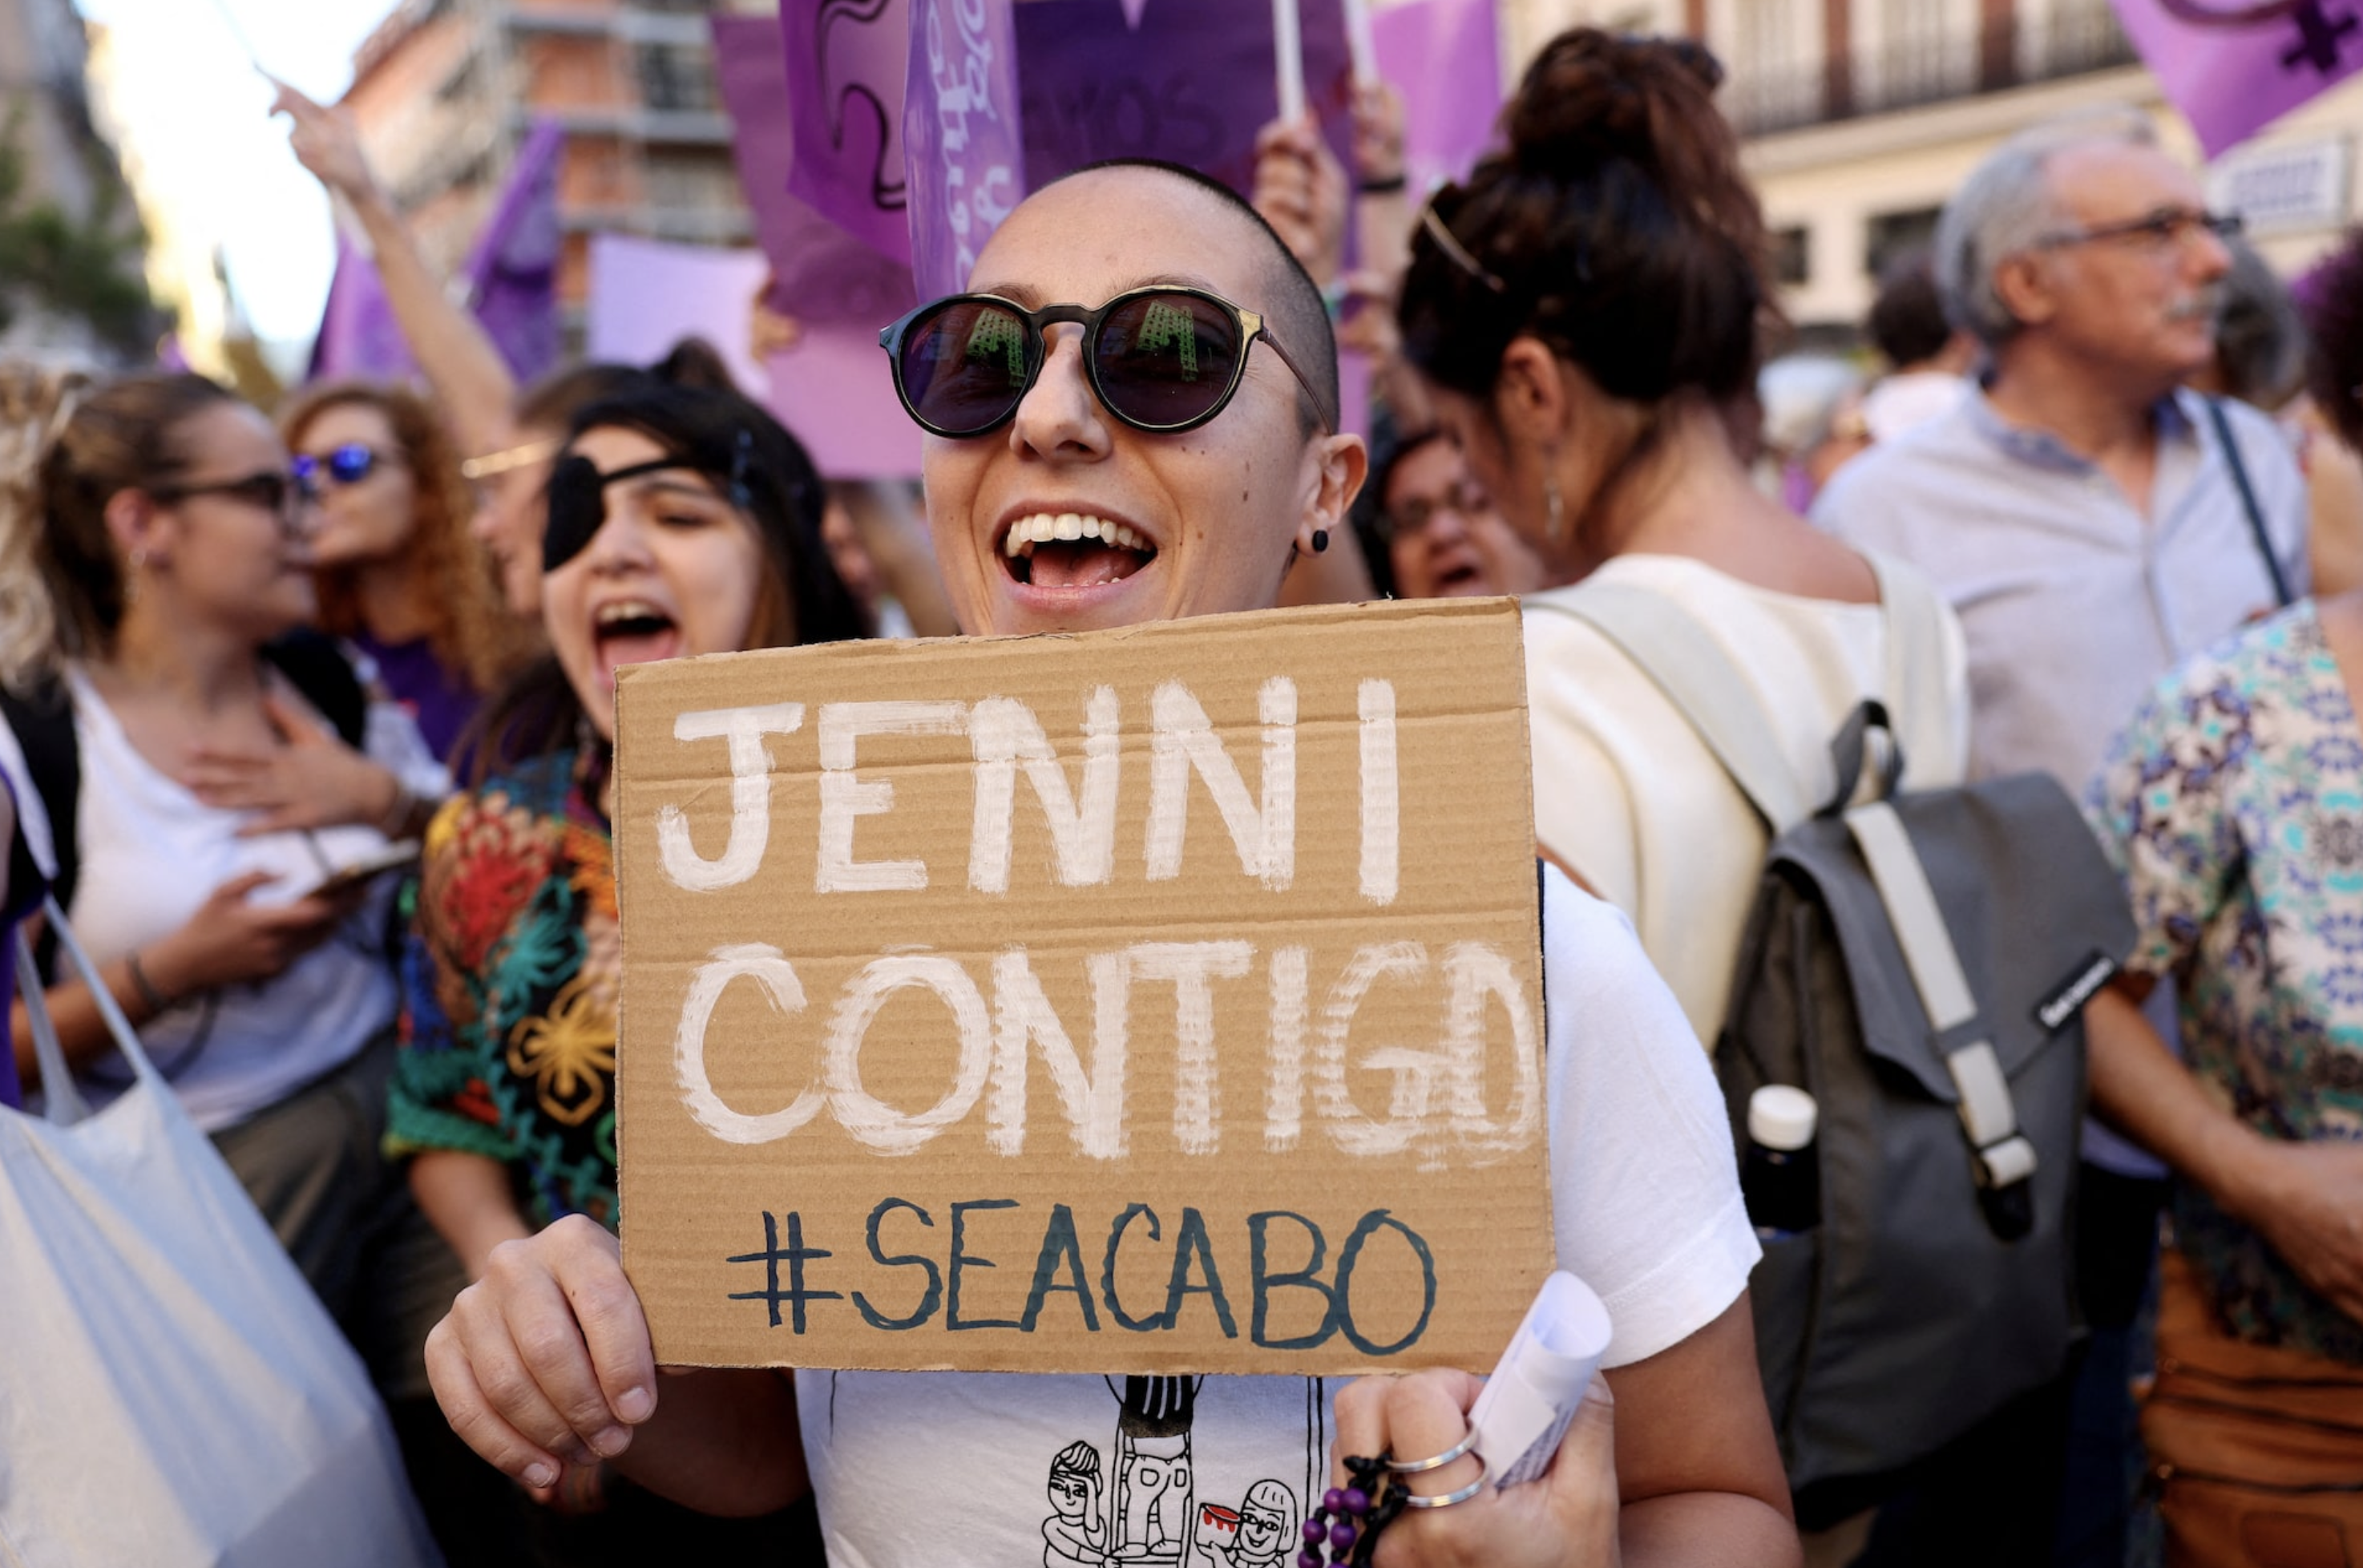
[[1386, 186]]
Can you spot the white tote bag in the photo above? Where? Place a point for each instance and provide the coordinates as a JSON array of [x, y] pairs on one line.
[[170, 1390]]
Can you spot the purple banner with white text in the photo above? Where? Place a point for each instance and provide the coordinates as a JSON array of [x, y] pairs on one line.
[[961, 132]]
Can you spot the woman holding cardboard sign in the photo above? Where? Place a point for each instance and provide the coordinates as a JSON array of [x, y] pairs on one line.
[[1075, 482]]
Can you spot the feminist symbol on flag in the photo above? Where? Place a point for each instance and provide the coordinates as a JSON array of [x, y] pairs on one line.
[[2318, 32]]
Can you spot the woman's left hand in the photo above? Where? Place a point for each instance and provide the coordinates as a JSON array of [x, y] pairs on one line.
[[1567, 1518], [312, 780]]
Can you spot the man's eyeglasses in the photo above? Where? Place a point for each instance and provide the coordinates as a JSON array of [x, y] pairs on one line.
[[1464, 498], [348, 464], [1161, 360], [280, 495], [2156, 231]]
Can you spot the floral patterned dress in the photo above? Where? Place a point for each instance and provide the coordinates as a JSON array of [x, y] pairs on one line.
[[2232, 803], [509, 981]]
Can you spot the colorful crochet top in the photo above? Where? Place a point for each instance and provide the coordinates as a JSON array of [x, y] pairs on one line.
[[509, 979]]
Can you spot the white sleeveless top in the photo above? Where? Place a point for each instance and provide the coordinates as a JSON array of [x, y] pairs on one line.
[[1629, 798], [150, 853]]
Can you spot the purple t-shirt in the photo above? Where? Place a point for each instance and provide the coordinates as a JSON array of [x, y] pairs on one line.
[[439, 698]]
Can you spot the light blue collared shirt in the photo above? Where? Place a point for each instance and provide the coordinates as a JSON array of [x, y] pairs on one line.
[[2073, 603]]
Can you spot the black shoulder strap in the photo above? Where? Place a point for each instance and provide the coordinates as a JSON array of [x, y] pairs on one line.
[[321, 672], [43, 722], [2215, 416]]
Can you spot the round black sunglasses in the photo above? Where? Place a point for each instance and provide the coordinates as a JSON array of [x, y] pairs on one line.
[[1162, 360]]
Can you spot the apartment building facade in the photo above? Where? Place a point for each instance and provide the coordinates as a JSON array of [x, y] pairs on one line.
[[1861, 117], [444, 91]]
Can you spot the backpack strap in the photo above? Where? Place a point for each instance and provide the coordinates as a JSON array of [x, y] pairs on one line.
[[317, 667], [1916, 658], [43, 724], [2255, 514], [2003, 1156], [1700, 679]]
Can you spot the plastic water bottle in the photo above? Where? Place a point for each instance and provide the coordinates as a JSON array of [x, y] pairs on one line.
[[1779, 1176]]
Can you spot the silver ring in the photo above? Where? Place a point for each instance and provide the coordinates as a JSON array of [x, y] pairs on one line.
[[1418, 1465], [1446, 1500]]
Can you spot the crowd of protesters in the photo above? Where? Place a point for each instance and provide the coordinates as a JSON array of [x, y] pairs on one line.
[[2096, 456]]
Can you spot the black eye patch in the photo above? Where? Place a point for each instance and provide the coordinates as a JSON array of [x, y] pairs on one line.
[[577, 503]]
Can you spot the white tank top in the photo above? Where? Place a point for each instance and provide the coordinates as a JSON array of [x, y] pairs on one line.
[[150, 854]]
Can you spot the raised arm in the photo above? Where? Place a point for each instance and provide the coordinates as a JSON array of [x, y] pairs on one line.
[[470, 378]]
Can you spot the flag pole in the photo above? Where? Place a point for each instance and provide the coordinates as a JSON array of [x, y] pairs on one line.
[[1287, 58]]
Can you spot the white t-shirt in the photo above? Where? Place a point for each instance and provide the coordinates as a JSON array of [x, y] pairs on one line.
[[150, 854], [1629, 798], [1017, 1469]]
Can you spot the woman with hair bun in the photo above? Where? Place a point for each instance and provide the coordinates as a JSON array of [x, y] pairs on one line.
[[1586, 309]]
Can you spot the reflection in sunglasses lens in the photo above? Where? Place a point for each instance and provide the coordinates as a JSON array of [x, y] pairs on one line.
[[965, 368], [1165, 359]]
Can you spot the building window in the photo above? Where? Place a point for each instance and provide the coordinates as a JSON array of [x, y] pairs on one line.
[[682, 180], [1792, 255], [677, 77], [1892, 233]]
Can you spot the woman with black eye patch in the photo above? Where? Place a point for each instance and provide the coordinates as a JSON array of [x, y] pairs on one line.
[[681, 522]]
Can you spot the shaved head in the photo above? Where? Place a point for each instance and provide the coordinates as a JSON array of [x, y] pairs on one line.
[[1291, 304]]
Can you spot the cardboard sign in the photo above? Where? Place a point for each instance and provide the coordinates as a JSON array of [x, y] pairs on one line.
[[1158, 1000]]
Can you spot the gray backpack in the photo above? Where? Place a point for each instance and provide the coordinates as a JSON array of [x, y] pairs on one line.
[[1918, 965]]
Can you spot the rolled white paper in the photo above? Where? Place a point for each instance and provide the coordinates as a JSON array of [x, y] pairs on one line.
[[1287, 58], [1540, 1381]]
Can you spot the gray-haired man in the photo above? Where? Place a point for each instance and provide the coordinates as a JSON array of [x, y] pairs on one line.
[[2082, 514]]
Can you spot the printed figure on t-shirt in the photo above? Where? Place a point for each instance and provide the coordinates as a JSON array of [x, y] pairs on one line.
[[1076, 1533], [1258, 1534], [1154, 1483]]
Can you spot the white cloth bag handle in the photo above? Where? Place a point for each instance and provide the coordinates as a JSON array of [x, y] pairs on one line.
[[65, 1100]]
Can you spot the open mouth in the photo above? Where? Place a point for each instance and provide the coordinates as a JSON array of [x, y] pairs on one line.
[[634, 632], [1073, 550]]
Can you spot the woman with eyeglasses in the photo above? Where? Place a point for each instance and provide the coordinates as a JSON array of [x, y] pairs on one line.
[[1441, 535], [1586, 309], [174, 543], [684, 520], [399, 578], [1133, 418]]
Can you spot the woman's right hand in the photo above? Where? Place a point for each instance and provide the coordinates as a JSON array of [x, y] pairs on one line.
[[231, 939], [546, 1359]]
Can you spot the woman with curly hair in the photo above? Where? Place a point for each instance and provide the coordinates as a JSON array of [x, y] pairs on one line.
[[399, 578]]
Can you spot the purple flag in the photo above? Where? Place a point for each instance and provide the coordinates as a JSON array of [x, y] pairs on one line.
[[358, 337], [1444, 58], [2232, 69], [831, 387], [1191, 84], [961, 132], [819, 272], [844, 64], [513, 272]]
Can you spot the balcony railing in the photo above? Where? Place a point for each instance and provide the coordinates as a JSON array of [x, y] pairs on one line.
[[1929, 68]]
